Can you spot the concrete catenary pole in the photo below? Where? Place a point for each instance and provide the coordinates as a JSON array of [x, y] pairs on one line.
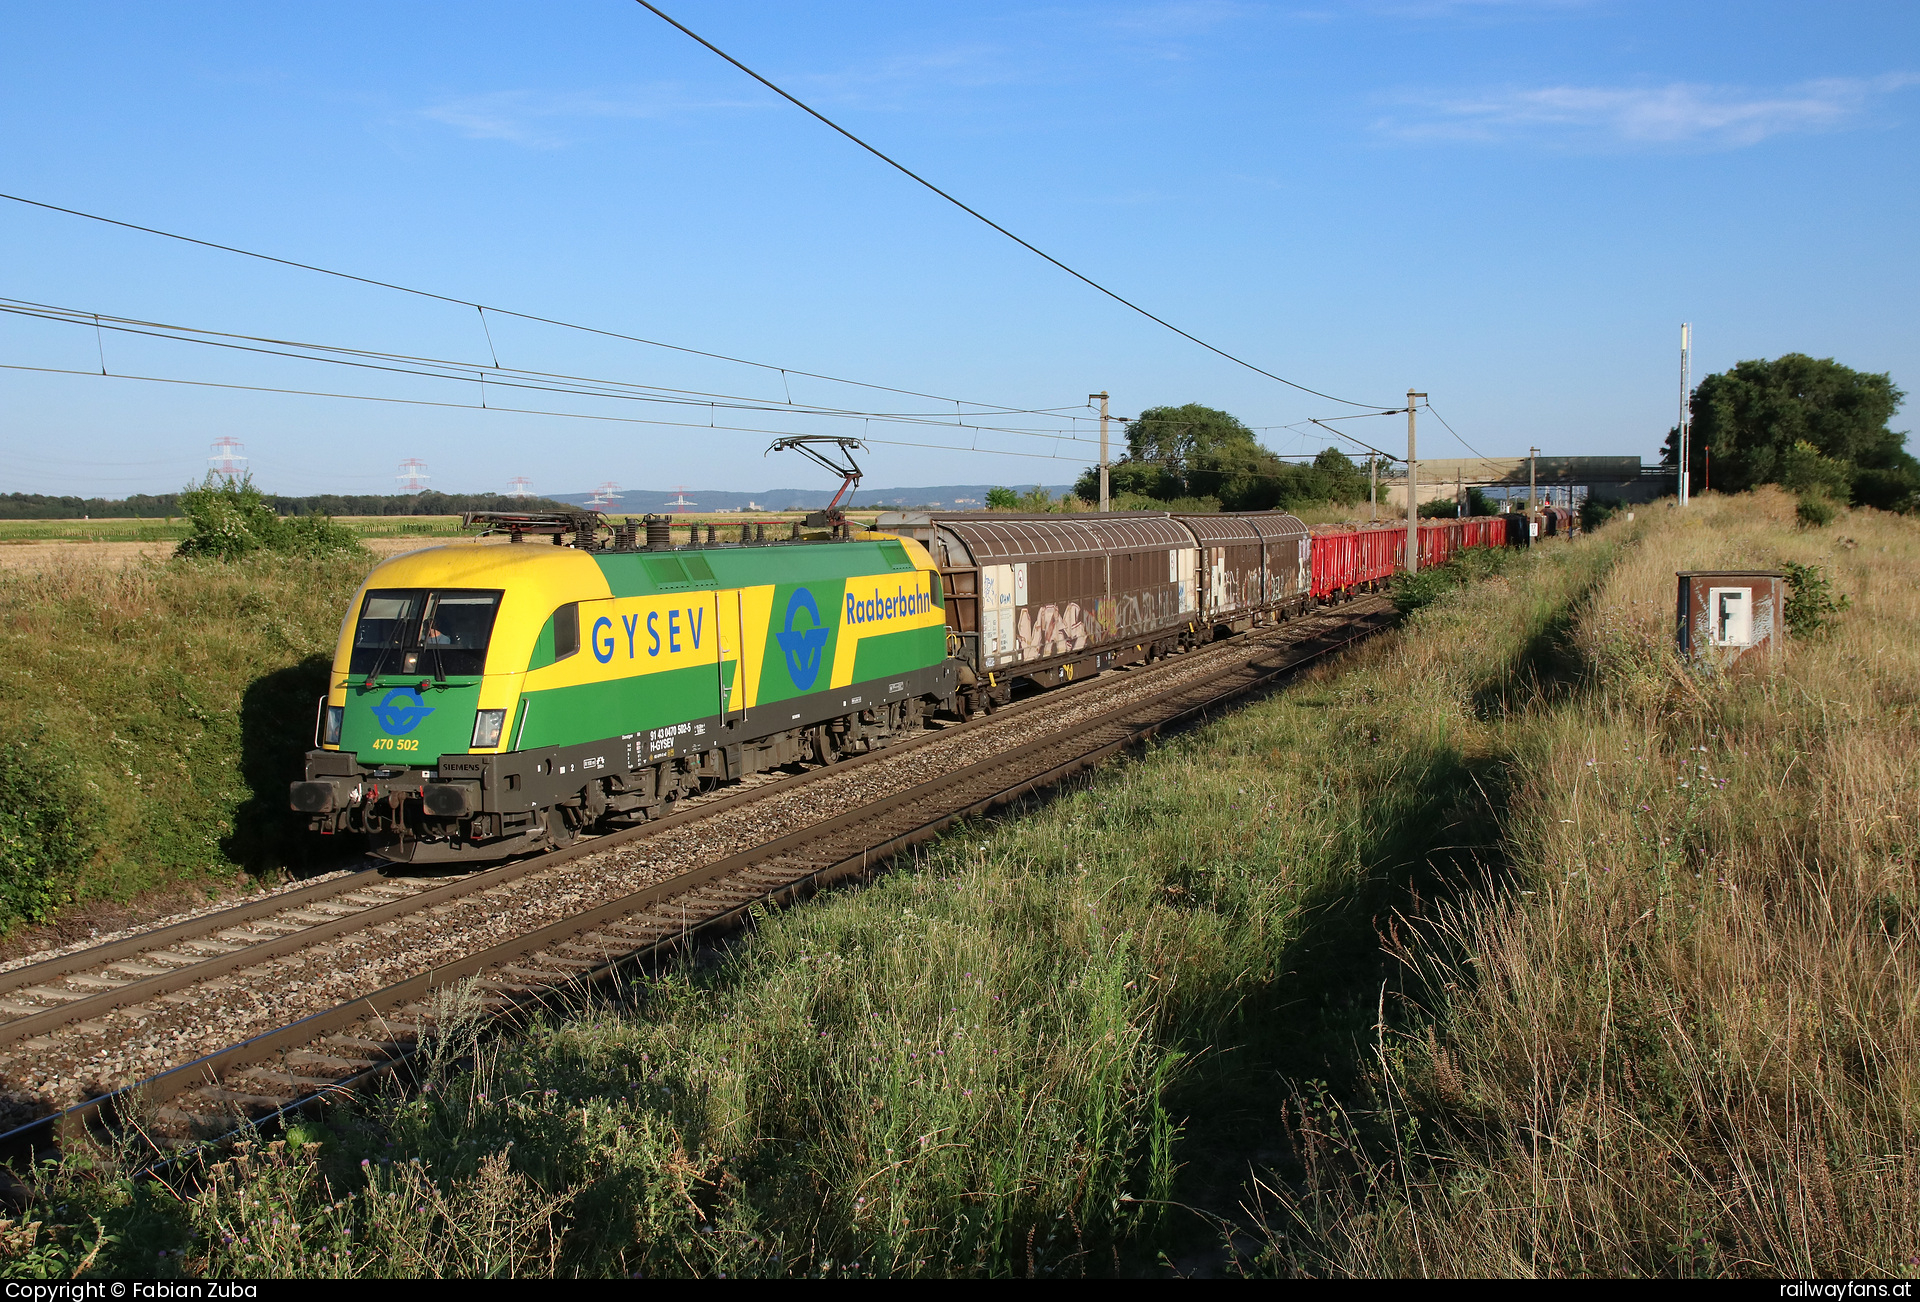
[[1413, 491], [1685, 449], [1106, 503], [1533, 493], [1373, 488]]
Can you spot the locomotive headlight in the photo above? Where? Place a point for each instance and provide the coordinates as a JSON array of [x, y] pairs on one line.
[[330, 725], [486, 728]]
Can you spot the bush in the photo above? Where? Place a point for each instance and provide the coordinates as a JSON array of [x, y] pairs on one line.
[[1411, 592], [1804, 470], [1811, 604], [1596, 511], [233, 518], [47, 833], [1815, 511]]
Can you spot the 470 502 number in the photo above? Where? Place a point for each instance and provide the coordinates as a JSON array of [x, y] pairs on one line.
[[396, 743]]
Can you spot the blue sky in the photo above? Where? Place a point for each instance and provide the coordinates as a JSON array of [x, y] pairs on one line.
[[1510, 204]]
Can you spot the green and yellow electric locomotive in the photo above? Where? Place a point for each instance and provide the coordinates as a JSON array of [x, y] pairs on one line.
[[488, 700]]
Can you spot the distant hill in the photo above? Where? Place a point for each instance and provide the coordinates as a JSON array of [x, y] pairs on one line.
[[634, 501], [950, 497]]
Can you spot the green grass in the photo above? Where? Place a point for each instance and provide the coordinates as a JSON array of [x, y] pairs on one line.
[[173, 700], [26, 531]]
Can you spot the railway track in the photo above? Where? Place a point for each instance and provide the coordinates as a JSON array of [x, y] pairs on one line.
[[206, 1023]]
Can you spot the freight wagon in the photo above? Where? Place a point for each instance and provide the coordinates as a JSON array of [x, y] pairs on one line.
[[1048, 598]]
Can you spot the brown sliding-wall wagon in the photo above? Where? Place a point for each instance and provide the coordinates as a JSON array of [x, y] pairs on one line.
[[1052, 597]]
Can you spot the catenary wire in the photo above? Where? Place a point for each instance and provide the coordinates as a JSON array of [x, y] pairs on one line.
[[570, 325], [504, 378], [468, 371], [510, 411], [1342, 434], [972, 212], [487, 307], [527, 411], [1456, 433]]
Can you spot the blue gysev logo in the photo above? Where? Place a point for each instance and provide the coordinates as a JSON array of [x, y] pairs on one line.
[[803, 645], [400, 711]]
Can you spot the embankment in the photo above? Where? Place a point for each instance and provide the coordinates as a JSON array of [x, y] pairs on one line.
[[151, 714]]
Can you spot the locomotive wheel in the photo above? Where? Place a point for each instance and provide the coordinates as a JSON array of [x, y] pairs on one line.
[[559, 835], [823, 744]]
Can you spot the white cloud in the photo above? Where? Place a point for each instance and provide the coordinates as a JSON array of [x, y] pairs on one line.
[[1679, 114], [539, 120]]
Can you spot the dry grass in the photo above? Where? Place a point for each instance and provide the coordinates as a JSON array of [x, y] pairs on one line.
[[1685, 1039]]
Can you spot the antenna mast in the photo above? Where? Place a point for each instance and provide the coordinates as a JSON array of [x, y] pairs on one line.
[[1685, 450]]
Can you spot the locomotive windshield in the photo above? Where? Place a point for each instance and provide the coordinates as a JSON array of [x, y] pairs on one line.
[[422, 631]]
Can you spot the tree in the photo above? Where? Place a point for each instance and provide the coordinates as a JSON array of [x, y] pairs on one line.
[[1002, 499], [1201, 452], [1124, 479], [1195, 454], [1808, 423]]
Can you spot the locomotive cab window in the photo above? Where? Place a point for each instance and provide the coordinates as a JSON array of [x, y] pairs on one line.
[[422, 631]]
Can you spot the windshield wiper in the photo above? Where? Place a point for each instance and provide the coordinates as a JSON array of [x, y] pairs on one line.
[[399, 637], [428, 614]]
